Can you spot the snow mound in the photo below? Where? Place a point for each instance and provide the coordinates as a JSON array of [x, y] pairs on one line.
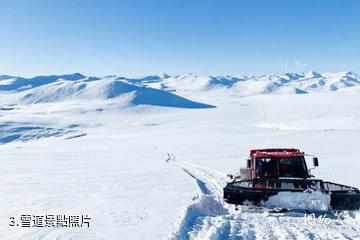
[[314, 200], [204, 207]]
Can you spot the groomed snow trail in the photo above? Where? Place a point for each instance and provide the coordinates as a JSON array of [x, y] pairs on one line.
[[209, 217]]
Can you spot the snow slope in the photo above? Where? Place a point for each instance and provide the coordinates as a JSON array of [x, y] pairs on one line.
[[142, 171]]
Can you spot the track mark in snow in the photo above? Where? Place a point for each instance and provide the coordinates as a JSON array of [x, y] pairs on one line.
[[200, 183], [208, 205]]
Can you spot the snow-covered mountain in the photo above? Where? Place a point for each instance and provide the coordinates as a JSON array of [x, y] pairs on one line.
[[159, 89], [252, 85], [74, 87]]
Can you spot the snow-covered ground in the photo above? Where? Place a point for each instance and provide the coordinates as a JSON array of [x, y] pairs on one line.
[[147, 158]]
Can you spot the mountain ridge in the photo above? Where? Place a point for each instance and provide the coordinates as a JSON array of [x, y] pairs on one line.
[[70, 86]]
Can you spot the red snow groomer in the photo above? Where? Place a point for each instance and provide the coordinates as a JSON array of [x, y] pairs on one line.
[[270, 171]]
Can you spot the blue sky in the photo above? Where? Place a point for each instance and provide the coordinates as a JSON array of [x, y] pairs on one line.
[[133, 37]]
